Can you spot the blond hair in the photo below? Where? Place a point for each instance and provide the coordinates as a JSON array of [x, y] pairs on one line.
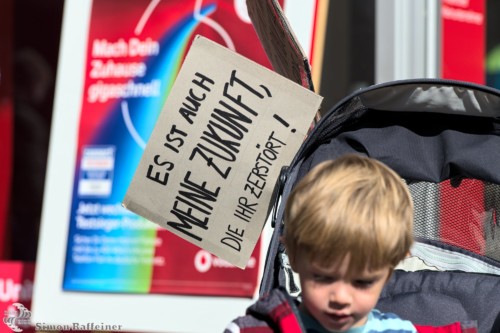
[[355, 206]]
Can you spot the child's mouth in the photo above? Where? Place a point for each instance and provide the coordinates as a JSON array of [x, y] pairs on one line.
[[339, 318]]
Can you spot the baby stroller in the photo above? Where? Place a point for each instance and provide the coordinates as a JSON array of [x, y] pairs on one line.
[[443, 138]]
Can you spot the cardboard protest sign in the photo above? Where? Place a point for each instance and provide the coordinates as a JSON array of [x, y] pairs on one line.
[[209, 168], [281, 46]]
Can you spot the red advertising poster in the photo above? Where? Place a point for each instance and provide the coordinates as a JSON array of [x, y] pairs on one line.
[[16, 287], [463, 40], [132, 58], [6, 115]]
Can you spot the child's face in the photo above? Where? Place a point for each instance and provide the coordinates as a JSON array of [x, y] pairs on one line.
[[337, 301]]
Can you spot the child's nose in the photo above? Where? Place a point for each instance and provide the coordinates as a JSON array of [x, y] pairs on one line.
[[340, 295]]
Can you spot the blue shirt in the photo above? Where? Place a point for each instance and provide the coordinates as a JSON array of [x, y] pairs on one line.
[[377, 322]]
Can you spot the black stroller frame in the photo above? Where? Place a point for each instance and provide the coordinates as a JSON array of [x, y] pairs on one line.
[[443, 138]]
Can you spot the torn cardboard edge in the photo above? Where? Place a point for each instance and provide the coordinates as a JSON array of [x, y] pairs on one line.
[[280, 43]]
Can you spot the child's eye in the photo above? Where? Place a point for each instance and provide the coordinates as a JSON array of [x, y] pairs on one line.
[[363, 284], [322, 278]]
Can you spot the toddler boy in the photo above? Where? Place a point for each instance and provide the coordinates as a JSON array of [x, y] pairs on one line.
[[348, 223]]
